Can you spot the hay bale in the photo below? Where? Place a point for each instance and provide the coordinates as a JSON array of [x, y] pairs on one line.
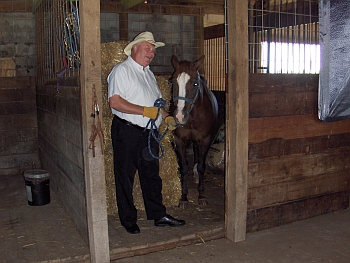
[[111, 54]]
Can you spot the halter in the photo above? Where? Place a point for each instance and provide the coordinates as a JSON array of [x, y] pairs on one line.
[[191, 102]]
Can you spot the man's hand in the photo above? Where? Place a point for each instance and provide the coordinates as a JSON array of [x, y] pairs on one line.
[[170, 122], [150, 112]]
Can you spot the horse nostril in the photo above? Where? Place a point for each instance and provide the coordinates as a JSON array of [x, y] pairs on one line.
[[181, 117]]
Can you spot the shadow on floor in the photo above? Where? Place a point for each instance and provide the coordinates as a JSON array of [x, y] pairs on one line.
[[47, 234], [36, 233], [320, 239], [202, 223]]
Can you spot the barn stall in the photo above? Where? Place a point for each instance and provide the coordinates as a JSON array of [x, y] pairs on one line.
[[289, 166]]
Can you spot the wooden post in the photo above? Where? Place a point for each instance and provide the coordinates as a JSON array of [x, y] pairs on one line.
[[90, 78], [123, 26], [199, 29], [237, 121]]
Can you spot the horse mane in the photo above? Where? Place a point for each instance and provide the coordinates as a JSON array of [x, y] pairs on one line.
[[211, 95]]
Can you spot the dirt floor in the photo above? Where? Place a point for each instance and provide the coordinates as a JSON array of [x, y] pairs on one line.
[[320, 239], [35, 233], [202, 223], [47, 234]]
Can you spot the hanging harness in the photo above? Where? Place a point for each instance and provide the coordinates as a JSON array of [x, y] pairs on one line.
[[96, 129], [154, 131]]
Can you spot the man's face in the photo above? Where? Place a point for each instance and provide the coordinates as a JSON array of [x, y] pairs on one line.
[[143, 53]]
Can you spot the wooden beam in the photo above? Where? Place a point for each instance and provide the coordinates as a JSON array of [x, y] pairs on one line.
[[199, 31], [215, 31], [212, 9], [293, 127], [181, 240], [112, 7], [90, 81], [18, 6], [236, 182], [127, 4]]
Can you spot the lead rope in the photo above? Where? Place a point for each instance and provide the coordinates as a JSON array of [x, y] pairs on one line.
[[160, 103]]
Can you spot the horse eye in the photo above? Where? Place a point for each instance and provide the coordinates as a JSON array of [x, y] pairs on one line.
[[195, 84]]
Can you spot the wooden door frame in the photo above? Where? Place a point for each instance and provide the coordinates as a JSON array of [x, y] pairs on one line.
[[237, 115], [94, 172], [236, 126]]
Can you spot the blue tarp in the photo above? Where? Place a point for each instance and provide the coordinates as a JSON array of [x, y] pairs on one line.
[[334, 77]]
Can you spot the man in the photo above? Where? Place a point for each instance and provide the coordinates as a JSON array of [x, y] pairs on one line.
[[132, 92]]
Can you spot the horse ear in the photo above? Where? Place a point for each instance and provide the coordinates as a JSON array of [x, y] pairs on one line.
[[199, 62], [174, 61]]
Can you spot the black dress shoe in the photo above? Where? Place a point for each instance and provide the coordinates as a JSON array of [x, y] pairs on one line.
[[168, 220], [132, 229]]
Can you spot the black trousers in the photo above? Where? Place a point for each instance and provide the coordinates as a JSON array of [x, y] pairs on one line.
[[129, 142]]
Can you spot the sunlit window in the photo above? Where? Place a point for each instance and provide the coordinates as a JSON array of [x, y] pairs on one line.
[[295, 58]]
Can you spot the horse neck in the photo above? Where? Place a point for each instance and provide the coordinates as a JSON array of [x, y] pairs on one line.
[[205, 91], [208, 95]]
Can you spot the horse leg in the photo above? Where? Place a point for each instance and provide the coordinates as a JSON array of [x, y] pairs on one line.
[[183, 165], [183, 204], [195, 161], [202, 200]]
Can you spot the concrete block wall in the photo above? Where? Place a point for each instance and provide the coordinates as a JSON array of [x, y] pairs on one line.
[[60, 146], [18, 126], [109, 27], [177, 32], [17, 35], [17, 28]]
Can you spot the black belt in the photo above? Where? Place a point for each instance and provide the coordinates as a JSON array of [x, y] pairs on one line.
[[129, 123]]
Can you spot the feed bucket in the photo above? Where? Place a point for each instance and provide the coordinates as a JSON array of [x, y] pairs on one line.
[[38, 187]]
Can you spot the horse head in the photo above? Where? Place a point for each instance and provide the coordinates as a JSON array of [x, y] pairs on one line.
[[187, 87]]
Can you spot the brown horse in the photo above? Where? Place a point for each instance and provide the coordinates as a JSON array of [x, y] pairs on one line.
[[195, 111]]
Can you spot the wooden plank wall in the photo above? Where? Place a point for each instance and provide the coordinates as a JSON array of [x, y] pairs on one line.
[[298, 165], [18, 126], [60, 145]]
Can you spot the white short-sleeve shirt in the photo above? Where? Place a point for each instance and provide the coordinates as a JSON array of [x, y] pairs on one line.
[[137, 85]]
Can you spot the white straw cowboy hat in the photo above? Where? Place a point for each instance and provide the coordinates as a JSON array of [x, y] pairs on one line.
[[144, 36]]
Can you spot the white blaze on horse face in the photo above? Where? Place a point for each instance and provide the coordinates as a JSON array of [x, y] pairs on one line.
[[182, 80]]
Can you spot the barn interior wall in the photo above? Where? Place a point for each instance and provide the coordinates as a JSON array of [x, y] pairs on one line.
[[109, 24], [298, 165], [60, 146], [59, 117], [17, 37], [180, 33], [18, 126]]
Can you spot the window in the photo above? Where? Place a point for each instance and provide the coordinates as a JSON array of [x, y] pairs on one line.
[[283, 36], [277, 57]]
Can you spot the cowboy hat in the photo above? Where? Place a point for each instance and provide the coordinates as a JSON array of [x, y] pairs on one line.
[[144, 36]]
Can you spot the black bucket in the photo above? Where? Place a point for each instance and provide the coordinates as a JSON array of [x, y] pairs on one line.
[[37, 186]]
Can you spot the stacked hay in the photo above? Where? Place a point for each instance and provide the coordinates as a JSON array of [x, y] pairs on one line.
[[111, 54]]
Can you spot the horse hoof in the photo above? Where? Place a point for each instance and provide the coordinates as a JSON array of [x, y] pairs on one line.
[[203, 201], [183, 204]]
